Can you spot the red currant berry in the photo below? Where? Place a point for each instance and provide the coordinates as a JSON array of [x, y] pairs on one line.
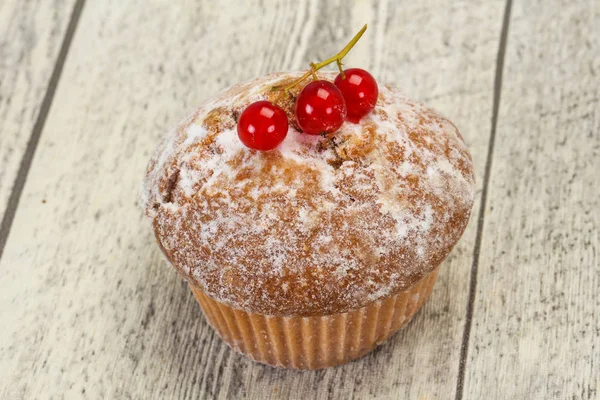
[[360, 92], [262, 126], [320, 108]]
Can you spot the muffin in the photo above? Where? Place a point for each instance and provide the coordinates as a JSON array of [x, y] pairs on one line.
[[310, 255]]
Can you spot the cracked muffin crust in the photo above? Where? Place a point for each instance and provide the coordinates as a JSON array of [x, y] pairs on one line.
[[320, 225]]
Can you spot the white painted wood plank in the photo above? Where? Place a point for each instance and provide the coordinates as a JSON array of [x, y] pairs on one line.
[[88, 307], [536, 330], [31, 34]]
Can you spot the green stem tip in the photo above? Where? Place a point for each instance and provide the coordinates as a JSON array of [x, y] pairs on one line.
[[336, 58]]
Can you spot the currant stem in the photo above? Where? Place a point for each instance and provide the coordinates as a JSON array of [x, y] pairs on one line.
[[342, 74], [336, 58], [313, 71], [345, 50]]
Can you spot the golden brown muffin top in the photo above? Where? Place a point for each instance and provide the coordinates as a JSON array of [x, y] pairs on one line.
[[319, 225]]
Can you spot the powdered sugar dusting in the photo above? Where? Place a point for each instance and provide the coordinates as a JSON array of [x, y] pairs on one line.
[[321, 224]]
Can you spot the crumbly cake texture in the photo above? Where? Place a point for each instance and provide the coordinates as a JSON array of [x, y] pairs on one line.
[[320, 225]]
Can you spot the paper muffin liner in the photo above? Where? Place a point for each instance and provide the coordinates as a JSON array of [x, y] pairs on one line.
[[318, 341]]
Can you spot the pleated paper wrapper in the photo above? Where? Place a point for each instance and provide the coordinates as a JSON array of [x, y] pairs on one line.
[[317, 341]]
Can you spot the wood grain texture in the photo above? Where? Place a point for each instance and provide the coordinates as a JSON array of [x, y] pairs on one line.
[[536, 330], [31, 34], [88, 308]]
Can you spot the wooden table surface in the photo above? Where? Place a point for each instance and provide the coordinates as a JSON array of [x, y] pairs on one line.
[[87, 88]]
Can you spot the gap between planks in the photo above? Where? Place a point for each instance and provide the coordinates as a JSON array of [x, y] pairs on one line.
[[38, 127], [464, 349]]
